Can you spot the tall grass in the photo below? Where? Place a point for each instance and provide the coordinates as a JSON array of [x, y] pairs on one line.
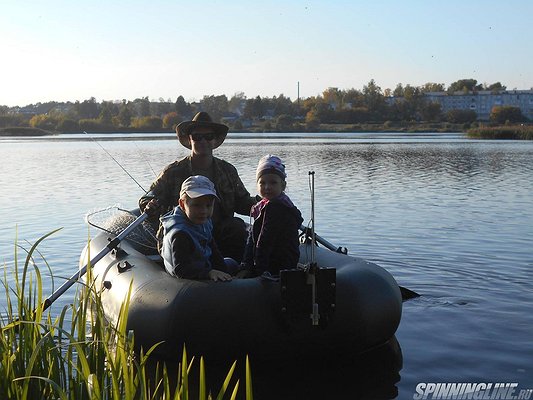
[[515, 132], [77, 354]]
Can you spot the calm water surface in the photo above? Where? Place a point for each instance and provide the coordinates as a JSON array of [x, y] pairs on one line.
[[449, 217]]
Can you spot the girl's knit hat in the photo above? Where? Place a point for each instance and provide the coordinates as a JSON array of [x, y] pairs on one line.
[[270, 164]]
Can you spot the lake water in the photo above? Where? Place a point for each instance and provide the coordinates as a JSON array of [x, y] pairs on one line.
[[448, 217]]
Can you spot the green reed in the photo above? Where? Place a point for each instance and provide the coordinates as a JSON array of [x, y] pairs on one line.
[[513, 132], [81, 357]]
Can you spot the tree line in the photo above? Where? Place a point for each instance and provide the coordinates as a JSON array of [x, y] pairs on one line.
[[371, 104]]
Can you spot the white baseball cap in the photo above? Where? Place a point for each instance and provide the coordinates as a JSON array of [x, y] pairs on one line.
[[198, 186]]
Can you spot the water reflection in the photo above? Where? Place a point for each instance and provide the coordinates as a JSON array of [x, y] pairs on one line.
[[449, 219], [372, 375]]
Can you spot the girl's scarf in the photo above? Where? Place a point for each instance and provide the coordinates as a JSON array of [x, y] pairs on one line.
[[258, 208]]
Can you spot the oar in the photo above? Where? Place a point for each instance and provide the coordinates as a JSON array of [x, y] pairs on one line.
[[407, 294], [110, 246], [113, 244]]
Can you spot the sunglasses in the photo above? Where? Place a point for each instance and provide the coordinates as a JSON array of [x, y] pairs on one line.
[[197, 137]]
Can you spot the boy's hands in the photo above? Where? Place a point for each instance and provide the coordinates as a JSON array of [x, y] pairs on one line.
[[216, 275]]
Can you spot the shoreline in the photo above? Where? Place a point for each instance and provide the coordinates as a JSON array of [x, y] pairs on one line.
[[505, 132]]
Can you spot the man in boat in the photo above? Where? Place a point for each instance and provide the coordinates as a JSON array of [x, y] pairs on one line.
[[201, 135]]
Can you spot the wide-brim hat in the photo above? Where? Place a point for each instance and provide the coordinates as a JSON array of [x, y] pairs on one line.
[[201, 120]]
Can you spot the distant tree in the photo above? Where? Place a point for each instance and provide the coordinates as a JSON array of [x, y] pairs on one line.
[[171, 119], [44, 108], [432, 87], [352, 116], [334, 97], [413, 102], [44, 121], [496, 87], [284, 123], [308, 104], [144, 106], [324, 113], [400, 110], [236, 103], [254, 108], [374, 100], [398, 91], [312, 123], [216, 106], [147, 123], [183, 108], [4, 110], [161, 107], [431, 111], [12, 120], [354, 98], [86, 109], [124, 115], [461, 116], [506, 114], [283, 106], [106, 113], [464, 85], [68, 125], [90, 125]]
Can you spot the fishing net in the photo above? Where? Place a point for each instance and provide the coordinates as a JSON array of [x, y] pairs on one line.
[[115, 219]]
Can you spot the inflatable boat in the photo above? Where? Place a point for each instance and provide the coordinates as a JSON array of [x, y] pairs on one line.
[[333, 305]]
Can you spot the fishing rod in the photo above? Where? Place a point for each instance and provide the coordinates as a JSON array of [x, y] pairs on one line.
[[112, 245], [116, 161]]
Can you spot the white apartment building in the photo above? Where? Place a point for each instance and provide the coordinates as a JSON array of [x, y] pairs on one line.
[[482, 102]]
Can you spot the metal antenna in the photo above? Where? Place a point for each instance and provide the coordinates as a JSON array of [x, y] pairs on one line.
[[313, 238], [312, 272]]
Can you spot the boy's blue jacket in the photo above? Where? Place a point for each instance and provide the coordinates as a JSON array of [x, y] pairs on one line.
[[201, 235]]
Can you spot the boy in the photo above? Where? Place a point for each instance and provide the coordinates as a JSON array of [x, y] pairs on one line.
[[188, 248], [273, 241]]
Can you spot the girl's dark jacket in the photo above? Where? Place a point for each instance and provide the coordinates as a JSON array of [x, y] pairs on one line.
[[273, 242]]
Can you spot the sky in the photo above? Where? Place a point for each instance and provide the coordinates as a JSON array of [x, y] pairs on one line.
[[57, 50]]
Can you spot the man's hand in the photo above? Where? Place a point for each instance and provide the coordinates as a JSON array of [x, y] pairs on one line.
[[153, 208]]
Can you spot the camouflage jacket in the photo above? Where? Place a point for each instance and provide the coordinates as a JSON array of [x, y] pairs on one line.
[[233, 195]]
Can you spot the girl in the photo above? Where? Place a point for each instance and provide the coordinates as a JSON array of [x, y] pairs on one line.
[[273, 240]]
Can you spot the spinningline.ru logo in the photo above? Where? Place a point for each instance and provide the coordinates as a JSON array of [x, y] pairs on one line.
[[478, 391]]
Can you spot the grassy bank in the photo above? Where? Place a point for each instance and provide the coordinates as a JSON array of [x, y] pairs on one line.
[[24, 131], [77, 355], [263, 126], [393, 127], [388, 126], [515, 132]]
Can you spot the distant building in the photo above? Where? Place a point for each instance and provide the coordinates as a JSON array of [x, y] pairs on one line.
[[483, 101]]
